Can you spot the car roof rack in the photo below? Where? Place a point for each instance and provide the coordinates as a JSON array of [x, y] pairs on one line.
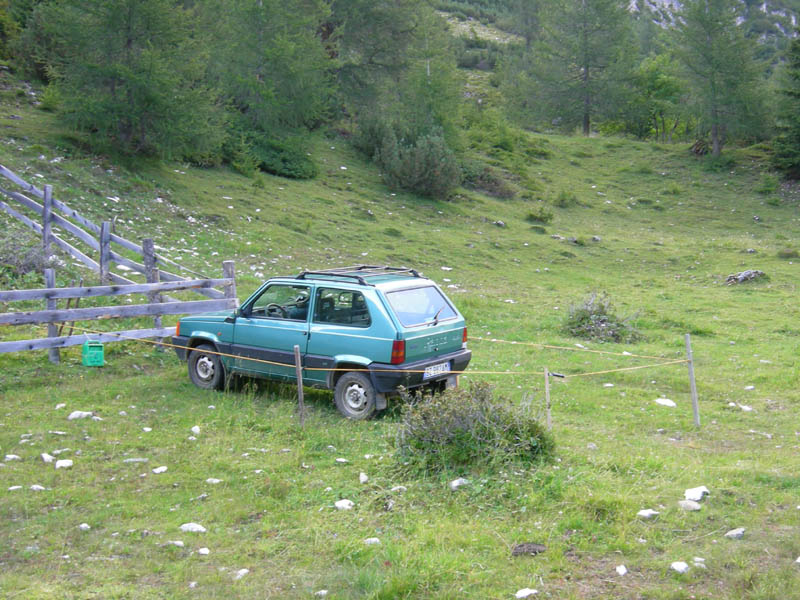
[[359, 273]]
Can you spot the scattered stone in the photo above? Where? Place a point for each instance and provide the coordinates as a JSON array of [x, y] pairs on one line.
[[696, 494], [123, 413], [457, 483], [147, 429], [689, 505], [64, 463], [84, 527], [37, 488], [735, 534], [47, 458], [699, 562], [749, 387], [621, 570], [60, 451], [78, 414], [136, 460], [213, 480], [342, 461], [647, 513], [597, 238], [798, 560], [96, 418], [196, 430], [528, 549], [748, 275], [193, 528], [373, 541], [679, 566], [745, 408], [14, 488], [399, 489], [158, 470], [57, 432], [665, 402], [591, 446], [60, 405], [500, 223], [10, 457], [321, 593], [344, 504], [608, 385], [363, 478], [240, 573], [204, 551], [177, 543], [525, 593]]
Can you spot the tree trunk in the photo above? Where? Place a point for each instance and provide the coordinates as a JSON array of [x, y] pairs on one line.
[[716, 147], [587, 102]]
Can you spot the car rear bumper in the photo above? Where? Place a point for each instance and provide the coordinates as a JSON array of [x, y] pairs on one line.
[[386, 378]]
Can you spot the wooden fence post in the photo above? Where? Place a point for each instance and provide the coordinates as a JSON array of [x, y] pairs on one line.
[[47, 231], [229, 272], [52, 329], [151, 274], [105, 251], [692, 384], [547, 398], [301, 406]]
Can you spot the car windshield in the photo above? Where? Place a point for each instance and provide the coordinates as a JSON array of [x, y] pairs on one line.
[[420, 306]]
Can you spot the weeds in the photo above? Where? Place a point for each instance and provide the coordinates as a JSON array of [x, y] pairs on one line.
[[595, 319]]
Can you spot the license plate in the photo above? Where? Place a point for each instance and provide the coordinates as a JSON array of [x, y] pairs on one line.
[[435, 370]]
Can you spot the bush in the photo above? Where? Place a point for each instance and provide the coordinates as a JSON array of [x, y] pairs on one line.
[[22, 263], [565, 199], [480, 176], [787, 253], [427, 167], [466, 427], [539, 214], [285, 158], [595, 319], [768, 184]]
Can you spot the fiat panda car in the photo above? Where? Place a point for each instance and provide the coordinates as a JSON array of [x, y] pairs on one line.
[[362, 331]]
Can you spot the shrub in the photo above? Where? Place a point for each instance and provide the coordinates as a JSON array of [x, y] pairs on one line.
[[479, 176], [595, 319], [427, 167], [788, 253], [22, 263], [469, 426], [768, 184], [565, 199], [539, 214], [285, 158]]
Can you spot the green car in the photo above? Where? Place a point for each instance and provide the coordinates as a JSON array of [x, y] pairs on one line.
[[362, 332]]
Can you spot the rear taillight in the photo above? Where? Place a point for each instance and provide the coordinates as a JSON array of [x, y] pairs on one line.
[[398, 352], [464, 336], [178, 328]]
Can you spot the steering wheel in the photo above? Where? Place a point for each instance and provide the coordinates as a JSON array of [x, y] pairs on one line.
[[273, 308]]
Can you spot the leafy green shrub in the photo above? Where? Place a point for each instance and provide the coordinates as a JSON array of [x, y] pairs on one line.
[[768, 184], [285, 158], [427, 167], [539, 214], [479, 176], [51, 98], [595, 319], [22, 262], [564, 199], [469, 426], [788, 253]]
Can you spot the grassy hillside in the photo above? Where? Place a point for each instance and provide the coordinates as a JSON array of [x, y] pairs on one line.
[[655, 228]]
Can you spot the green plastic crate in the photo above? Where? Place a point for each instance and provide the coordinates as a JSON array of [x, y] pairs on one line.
[[92, 355]]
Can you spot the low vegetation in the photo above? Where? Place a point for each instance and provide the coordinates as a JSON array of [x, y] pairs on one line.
[[594, 318]]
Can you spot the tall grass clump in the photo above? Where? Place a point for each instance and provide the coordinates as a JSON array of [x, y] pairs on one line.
[[594, 318], [468, 427]]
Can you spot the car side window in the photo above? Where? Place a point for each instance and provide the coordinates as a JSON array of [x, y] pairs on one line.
[[282, 302], [342, 307]]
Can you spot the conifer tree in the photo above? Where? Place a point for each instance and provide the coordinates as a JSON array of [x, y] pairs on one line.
[[787, 142]]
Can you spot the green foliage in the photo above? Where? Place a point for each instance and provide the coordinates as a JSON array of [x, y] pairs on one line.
[[9, 30], [787, 143], [565, 199], [51, 98], [787, 253], [480, 176], [22, 261], [466, 428], [768, 184], [539, 214], [286, 158], [594, 318]]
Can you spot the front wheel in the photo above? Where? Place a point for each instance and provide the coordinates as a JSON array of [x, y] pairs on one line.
[[205, 368], [355, 396]]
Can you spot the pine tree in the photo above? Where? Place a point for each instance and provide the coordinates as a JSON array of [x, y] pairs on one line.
[[787, 142], [719, 66]]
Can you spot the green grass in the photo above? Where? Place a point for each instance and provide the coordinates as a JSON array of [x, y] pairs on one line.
[[671, 230]]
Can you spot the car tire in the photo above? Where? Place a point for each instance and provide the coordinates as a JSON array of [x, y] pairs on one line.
[[355, 396], [205, 368]]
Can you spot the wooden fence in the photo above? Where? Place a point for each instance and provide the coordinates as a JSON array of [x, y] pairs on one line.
[[158, 281]]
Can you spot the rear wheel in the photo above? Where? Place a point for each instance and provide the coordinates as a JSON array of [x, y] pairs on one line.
[[355, 396], [205, 368]]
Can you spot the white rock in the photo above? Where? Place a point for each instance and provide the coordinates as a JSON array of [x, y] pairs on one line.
[[679, 566], [177, 543], [47, 458], [647, 513], [10, 457], [363, 478], [64, 463], [749, 387], [37, 488], [457, 483], [798, 560], [746, 408], [697, 559], [241, 573], [84, 527], [591, 446], [192, 585], [193, 528], [57, 432], [147, 429], [60, 405], [191, 438], [342, 461], [96, 418], [399, 489], [213, 480], [665, 402], [608, 385], [196, 430], [204, 551], [123, 413], [735, 534], [621, 570], [344, 504], [60, 451], [78, 414], [136, 460], [14, 488], [696, 494], [525, 593], [321, 593], [158, 470], [447, 268], [689, 505], [372, 541]]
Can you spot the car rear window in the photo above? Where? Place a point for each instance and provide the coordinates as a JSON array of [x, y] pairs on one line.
[[418, 306]]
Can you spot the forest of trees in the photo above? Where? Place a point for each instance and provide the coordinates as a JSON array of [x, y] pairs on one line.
[[244, 82]]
